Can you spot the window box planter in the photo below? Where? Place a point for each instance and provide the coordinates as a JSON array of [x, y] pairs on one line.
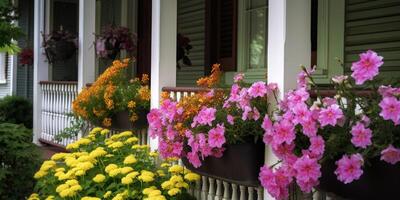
[[380, 180], [239, 164]]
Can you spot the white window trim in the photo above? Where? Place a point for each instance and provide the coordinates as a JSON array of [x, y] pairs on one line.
[[3, 68], [242, 48]]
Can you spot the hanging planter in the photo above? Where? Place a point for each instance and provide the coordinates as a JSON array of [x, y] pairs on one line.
[[182, 51], [239, 164], [380, 180], [112, 40], [122, 121], [59, 45]]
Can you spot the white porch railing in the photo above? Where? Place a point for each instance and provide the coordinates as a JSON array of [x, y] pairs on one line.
[[57, 98]]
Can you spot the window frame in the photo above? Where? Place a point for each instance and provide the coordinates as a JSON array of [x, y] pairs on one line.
[[243, 31], [3, 68]]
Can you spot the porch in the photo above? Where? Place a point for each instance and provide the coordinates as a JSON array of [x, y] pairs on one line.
[[288, 45]]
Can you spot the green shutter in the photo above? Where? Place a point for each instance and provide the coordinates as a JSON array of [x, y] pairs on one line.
[[375, 25], [191, 23]]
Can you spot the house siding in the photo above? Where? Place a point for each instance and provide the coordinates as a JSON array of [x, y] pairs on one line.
[[191, 24], [5, 89], [373, 25]]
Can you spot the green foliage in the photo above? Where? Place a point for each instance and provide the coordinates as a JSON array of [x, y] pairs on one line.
[[16, 110], [19, 159], [77, 124], [8, 30]]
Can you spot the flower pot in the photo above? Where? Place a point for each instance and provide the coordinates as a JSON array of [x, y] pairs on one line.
[[120, 121], [239, 164], [380, 180]]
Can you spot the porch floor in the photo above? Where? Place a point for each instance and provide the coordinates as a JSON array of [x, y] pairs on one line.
[[47, 151]]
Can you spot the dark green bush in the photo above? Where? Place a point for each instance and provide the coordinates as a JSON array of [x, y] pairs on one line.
[[16, 110], [19, 160]]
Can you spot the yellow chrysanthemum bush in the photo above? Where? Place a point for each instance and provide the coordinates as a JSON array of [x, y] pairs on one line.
[[114, 93], [116, 168]]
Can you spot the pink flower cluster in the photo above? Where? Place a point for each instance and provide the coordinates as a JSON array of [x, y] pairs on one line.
[[390, 104], [349, 168], [206, 135]]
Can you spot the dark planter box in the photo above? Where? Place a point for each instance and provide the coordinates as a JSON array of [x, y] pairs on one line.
[[239, 164], [380, 180], [121, 122]]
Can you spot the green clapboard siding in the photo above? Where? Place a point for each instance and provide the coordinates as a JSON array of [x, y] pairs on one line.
[[375, 25], [191, 23]]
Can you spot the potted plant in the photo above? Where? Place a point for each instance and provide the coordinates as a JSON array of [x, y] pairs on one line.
[[182, 51], [216, 132], [114, 100], [112, 40], [98, 167], [59, 45], [348, 144]]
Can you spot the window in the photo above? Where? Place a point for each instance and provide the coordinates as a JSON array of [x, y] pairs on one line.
[[253, 37], [3, 68]]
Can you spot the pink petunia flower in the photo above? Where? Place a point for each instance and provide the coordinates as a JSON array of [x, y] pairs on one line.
[[283, 150], [349, 168], [361, 135], [256, 114], [302, 114], [330, 115], [391, 155], [216, 137], [390, 109], [388, 91], [307, 169], [309, 128], [317, 146], [238, 77], [367, 67], [297, 97], [283, 132], [230, 119], [205, 117], [194, 159], [258, 89], [276, 182]]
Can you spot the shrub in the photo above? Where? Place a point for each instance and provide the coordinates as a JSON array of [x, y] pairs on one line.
[[16, 110], [114, 168], [19, 159]]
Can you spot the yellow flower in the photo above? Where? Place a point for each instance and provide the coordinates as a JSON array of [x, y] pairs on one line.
[[176, 169], [99, 178], [176, 179], [114, 172], [116, 145], [110, 167], [154, 193], [34, 196], [58, 156], [126, 180], [153, 154], [107, 194], [72, 182], [166, 185], [126, 170], [165, 165], [132, 174], [40, 174], [96, 129], [98, 152], [105, 132], [147, 191], [130, 160], [192, 177], [72, 146], [51, 197], [131, 140], [173, 191], [131, 104], [182, 185], [90, 198]]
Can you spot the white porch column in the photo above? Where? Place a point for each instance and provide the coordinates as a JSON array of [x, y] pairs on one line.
[[40, 67], [289, 46], [86, 53], [163, 50]]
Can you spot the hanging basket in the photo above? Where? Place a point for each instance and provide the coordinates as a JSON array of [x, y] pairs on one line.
[[60, 51], [239, 164], [380, 180]]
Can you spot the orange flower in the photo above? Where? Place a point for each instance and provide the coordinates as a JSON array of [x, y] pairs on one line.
[[107, 122], [145, 79], [211, 80], [144, 93], [131, 104]]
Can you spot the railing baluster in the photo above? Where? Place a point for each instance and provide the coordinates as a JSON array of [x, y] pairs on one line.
[[251, 193], [218, 194], [242, 192], [226, 191], [234, 192], [211, 191], [204, 189], [260, 193]]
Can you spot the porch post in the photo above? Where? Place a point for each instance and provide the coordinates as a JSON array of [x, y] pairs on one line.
[[86, 53], [40, 68], [289, 46], [163, 50]]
